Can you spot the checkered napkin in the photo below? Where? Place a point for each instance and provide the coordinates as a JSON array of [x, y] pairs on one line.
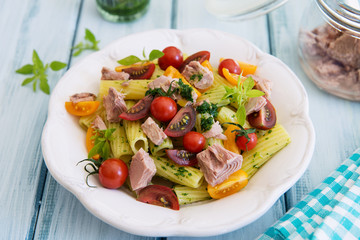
[[331, 211]]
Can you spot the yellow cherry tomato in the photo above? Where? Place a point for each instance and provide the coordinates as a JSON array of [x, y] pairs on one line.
[[90, 142], [236, 181], [82, 108]]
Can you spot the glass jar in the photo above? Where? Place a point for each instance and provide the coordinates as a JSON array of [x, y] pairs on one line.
[[329, 46], [122, 10]]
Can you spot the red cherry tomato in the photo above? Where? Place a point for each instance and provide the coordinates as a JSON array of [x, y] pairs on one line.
[[229, 64], [172, 57], [113, 173], [163, 108], [245, 144], [194, 142]]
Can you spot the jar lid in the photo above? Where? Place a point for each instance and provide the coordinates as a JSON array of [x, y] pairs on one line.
[[342, 14]]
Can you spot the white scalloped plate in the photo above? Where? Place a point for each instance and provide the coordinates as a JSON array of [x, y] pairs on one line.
[[63, 140]]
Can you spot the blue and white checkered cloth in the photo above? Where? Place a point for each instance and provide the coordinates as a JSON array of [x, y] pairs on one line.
[[331, 211]]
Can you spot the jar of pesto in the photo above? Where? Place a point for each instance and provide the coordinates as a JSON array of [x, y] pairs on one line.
[[122, 10]]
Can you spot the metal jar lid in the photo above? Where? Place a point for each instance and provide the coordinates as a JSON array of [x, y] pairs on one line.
[[342, 14]]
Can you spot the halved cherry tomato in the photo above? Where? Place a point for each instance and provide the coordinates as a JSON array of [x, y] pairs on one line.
[[194, 142], [199, 56], [245, 144], [163, 108], [182, 123], [82, 108], [230, 143], [172, 57], [90, 142], [144, 71], [113, 173], [140, 110], [229, 64], [160, 196], [236, 181], [182, 157], [246, 68], [263, 119]]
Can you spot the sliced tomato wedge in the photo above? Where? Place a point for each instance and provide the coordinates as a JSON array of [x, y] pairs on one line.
[[160, 196], [199, 56], [236, 181], [182, 123], [182, 157], [140, 110], [144, 71], [264, 119], [82, 108]]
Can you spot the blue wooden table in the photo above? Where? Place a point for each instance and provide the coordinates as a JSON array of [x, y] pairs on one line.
[[33, 205]]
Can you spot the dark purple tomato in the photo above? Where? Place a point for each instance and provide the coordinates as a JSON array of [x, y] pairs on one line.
[[141, 71], [163, 108], [160, 196], [140, 110], [194, 142], [182, 157], [229, 64], [263, 119], [172, 57], [182, 123], [199, 56]]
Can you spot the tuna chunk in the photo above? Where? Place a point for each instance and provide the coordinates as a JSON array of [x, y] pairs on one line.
[[163, 82], [263, 84], [153, 131], [199, 76], [108, 74], [345, 49], [141, 170], [255, 104], [218, 164], [216, 131], [99, 123], [114, 105], [82, 97]]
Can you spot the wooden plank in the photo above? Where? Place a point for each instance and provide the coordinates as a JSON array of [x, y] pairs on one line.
[[192, 14], [62, 216], [22, 112], [335, 120]]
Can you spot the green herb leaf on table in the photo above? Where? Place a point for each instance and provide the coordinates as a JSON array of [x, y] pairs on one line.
[[90, 43], [129, 60], [240, 95], [38, 69]]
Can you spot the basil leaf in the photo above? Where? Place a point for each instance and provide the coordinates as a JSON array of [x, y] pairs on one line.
[[56, 65], [44, 86], [254, 93], [38, 64], [90, 36], [154, 54], [27, 81], [26, 69], [241, 115], [143, 53], [96, 149], [129, 60], [248, 84], [105, 150]]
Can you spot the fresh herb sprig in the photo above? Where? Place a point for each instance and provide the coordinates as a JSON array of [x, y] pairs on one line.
[[209, 109], [101, 147], [161, 92], [101, 143], [132, 59], [38, 69], [241, 95], [241, 131], [206, 123], [185, 91], [90, 43]]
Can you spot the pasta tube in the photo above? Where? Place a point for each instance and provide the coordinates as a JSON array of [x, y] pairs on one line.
[[188, 176], [135, 89], [215, 95], [159, 150], [267, 145], [188, 195], [119, 144]]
